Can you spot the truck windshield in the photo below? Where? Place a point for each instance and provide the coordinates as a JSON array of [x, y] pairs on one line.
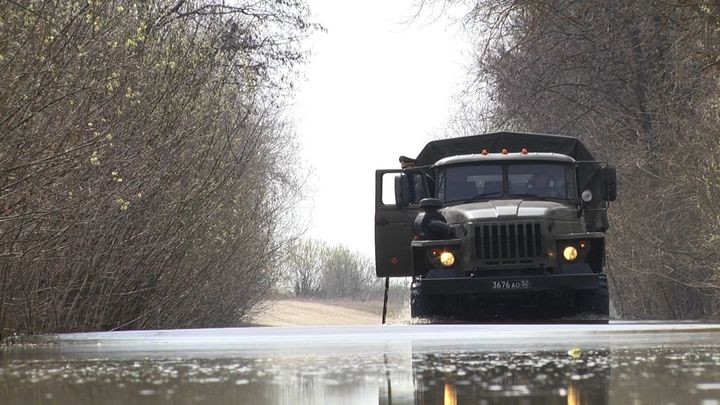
[[541, 180], [459, 183], [480, 181]]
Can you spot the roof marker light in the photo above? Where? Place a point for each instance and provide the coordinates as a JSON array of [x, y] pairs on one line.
[[524, 151], [484, 152], [504, 151]]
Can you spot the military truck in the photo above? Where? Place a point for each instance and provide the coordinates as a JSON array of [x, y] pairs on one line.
[[498, 227]]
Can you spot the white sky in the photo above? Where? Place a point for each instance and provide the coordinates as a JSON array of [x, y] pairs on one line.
[[376, 88]]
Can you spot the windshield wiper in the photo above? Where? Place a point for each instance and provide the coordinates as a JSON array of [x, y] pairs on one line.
[[538, 197], [481, 195]]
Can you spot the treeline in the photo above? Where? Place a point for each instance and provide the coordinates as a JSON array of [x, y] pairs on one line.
[[146, 170], [638, 82], [316, 269]]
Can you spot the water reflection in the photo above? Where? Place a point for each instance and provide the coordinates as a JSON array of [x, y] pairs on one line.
[[397, 376], [505, 378]]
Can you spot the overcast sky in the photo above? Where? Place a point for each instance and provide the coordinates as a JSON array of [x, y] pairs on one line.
[[376, 88]]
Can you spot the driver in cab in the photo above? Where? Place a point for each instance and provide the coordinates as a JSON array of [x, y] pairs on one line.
[[542, 185]]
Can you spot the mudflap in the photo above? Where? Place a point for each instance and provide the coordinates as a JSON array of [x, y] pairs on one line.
[[535, 306]]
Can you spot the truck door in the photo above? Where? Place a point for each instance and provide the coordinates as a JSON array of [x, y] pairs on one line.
[[393, 221], [590, 177]]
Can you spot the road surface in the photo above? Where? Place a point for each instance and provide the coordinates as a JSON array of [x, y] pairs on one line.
[[293, 312]]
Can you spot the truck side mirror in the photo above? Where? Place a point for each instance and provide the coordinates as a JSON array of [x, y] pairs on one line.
[[609, 179], [402, 191]]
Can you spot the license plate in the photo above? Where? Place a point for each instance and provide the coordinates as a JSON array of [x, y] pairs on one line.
[[510, 285]]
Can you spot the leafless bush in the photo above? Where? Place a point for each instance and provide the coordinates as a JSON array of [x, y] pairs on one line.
[[145, 167]]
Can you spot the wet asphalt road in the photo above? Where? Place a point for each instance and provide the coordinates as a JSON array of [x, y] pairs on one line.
[[633, 363]]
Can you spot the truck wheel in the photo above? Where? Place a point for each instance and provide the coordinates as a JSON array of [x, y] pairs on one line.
[[596, 303], [422, 305]]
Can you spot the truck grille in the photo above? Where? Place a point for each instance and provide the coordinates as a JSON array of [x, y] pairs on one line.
[[508, 243]]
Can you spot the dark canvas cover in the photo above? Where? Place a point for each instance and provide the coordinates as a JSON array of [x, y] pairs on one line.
[[496, 141]]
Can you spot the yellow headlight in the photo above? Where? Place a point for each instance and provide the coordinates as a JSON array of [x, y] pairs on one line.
[[570, 253], [447, 259]]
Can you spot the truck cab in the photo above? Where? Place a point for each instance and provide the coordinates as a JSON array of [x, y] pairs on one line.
[[503, 226]]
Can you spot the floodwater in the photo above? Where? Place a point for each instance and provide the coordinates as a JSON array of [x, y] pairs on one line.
[[619, 363]]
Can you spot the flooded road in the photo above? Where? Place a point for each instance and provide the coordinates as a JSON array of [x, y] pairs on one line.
[[623, 363]]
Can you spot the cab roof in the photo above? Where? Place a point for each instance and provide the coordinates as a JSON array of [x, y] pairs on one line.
[[496, 157], [497, 141]]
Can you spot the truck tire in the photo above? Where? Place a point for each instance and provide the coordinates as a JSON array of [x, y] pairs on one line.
[[423, 305], [596, 304]]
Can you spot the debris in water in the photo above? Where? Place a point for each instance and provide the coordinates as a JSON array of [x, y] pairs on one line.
[[575, 353]]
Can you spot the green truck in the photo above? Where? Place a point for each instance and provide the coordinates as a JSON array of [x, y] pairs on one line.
[[498, 227]]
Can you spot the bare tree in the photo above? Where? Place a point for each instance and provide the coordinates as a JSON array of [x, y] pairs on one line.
[[316, 269], [638, 83], [306, 261], [347, 274]]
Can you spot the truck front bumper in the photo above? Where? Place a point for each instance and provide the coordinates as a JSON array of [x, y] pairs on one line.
[[509, 285]]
